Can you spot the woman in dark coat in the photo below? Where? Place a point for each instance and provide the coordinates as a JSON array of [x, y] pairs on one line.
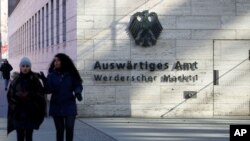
[[6, 68], [26, 102], [65, 84]]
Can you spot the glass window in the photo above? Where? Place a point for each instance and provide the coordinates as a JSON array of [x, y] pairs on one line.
[[43, 27], [47, 24], [64, 20], [57, 22], [39, 29], [35, 31], [30, 36], [52, 22], [33, 38]]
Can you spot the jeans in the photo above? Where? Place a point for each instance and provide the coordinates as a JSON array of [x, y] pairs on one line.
[[6, 83], [64, 123], [24, 134]]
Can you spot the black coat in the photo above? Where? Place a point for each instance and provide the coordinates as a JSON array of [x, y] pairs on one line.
[[6, 68], [26, 103]]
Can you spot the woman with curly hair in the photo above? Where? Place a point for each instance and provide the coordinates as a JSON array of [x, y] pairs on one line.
[[65, 85]]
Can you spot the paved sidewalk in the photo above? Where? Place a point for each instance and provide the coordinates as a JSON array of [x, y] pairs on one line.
[[83, 132], [132, 129]]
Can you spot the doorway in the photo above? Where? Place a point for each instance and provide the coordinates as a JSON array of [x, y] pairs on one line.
[[231, 77]]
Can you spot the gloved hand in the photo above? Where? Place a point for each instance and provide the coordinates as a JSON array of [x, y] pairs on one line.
[[78, 96], [42, 76]]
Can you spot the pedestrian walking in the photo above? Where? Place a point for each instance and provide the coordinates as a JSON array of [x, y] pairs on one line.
[[26, 102], [65, 84], [6, 68]]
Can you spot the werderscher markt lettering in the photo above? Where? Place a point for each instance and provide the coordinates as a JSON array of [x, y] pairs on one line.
[[145, 66], [143, 78]]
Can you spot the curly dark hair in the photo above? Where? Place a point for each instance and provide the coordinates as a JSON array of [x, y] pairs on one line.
[[67, 65]]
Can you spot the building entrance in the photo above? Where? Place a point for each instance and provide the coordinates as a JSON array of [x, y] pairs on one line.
[[231, 78]]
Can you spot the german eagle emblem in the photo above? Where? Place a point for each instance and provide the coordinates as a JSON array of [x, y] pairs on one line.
[[145, 28]]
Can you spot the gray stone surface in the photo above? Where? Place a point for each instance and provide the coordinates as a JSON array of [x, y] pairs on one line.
[[83, 132], [136, 129]]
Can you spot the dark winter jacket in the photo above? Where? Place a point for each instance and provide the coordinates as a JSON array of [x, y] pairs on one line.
[[26, 102], [6, 68], [63, 88]]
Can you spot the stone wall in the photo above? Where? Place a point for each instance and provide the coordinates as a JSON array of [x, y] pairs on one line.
[[191, 30]]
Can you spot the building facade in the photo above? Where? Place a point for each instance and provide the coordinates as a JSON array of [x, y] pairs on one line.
[[3, 28], [199, 66]]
